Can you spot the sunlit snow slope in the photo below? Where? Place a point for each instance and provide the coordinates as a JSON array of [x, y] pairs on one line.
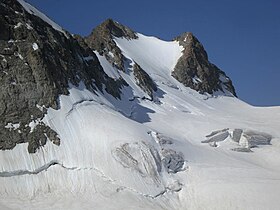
[[181, 150]]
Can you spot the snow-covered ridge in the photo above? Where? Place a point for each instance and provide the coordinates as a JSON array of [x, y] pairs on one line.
[[32, 10]]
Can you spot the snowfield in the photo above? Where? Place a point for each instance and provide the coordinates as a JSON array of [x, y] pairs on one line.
[[183, 150]]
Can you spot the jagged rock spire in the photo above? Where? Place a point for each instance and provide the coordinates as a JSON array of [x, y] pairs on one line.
[[101, 40], [194, 70]]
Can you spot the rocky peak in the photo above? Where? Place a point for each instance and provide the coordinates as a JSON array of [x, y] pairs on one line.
[[113, 28], [194, 70], [191, 44], [101, 39]]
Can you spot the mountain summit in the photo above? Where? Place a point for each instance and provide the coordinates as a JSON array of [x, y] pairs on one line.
[[120, 120], [195, 71], [101, 40]]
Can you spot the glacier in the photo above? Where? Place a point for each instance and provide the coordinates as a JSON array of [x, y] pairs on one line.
[[138, 153]]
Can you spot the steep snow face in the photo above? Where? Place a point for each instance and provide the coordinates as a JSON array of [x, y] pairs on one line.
[[33, 11], [108, 68], [155, 56]]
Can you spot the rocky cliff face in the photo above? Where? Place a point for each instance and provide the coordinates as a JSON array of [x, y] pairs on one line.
[[38, 63], [195, 71], [144, 81]]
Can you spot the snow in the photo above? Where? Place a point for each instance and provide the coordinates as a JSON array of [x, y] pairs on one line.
[[14, 83], [4, 59], [29, 27], [154, 55], [111, 54], [12, 126], [33, 11], [87, 142], [118, 154], [18, 25], [35, 46], [196, 80], [18, 55], [41, 108], [33, 124], [107, 67]]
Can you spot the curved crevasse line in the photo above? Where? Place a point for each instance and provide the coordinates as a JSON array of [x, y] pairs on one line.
[[97, 171], [36, 171], [95, 102]]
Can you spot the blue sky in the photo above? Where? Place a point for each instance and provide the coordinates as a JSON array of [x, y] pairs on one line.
[[241, 37]]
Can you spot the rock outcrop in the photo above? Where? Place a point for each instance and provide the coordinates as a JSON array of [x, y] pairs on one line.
[[144, 81], [38, 63], [194, 70]]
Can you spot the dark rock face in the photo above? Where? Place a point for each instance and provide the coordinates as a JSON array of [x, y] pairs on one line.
[[144, 81], [195, 71], [112, 86], [37, 63], [101, 40]]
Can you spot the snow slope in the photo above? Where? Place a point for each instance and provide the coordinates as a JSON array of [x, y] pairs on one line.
[[154, 55], [141, 154]]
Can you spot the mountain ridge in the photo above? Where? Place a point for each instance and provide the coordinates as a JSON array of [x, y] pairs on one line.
[[74, 58], [194, 62], [100, 122]]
